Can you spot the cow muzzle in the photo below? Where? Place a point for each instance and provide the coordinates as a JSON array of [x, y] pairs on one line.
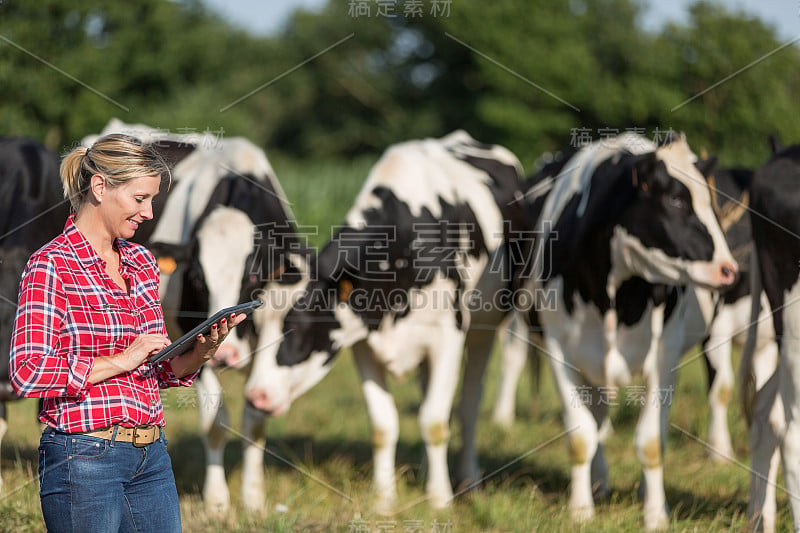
[[226, 355], [259, 399]]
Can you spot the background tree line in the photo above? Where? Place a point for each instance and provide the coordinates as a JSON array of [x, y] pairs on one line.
[[338, 84]]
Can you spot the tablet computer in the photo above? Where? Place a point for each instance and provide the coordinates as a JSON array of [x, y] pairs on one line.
[[186, 342]]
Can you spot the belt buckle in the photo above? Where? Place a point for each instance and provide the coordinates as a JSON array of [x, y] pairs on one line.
[[150, 432]]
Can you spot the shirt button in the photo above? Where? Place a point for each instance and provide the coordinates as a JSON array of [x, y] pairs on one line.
[[152, 401]]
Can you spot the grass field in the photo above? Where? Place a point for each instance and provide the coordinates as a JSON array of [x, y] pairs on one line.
[[318, 469], [318, 456]]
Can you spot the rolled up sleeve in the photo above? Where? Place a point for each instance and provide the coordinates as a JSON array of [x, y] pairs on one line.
[[40, 364]]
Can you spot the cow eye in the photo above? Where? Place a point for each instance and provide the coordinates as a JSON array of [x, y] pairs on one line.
[[677, 202]]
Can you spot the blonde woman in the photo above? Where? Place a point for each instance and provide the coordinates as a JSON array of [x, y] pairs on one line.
[[89, 318]]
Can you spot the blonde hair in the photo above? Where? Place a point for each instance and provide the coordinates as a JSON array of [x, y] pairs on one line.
[[117, 157]]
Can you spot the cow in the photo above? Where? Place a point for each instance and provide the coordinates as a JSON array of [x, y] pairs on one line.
[[729, 327], [729, 188], [629, 250], [406, 282], [33, 212], [770, 384], [224, 213]]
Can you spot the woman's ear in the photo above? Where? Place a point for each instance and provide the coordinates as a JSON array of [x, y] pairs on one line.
[[98, 187]]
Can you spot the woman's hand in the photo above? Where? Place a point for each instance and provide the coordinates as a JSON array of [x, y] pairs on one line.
[[142, 347], [206, 346]]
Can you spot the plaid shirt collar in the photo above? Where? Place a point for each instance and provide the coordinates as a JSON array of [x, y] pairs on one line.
[[87, 255]]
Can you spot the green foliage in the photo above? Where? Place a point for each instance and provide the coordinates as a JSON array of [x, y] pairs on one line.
[[338, 84]]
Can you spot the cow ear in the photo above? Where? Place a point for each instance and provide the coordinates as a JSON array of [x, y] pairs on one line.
[[707, 166], [775, 144], [672, 136], [642, 171], [180, 253], [345, 288]]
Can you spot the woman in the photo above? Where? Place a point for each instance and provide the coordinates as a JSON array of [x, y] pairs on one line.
[[89, 318]]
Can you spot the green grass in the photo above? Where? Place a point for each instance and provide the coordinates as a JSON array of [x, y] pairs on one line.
[[318, 465], [320, 193]]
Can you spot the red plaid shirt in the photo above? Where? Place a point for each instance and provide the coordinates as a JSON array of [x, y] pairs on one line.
[[70, 312]]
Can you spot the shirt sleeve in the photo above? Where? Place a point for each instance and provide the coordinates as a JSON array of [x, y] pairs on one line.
[[167, 378], [41, 363]]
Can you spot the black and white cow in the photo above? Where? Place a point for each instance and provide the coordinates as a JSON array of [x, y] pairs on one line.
[[730, 324], [621, 230], [224, 213], [771, 385], [406, 281], [32, 211], [728, 328]]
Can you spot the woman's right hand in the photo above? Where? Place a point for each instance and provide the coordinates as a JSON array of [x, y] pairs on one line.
[[137, 352], [142, 347]]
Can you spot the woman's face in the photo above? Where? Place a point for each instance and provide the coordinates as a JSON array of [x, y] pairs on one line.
[[128, 205]]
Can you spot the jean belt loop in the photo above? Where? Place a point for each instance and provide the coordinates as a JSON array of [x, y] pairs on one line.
[[114, 435]]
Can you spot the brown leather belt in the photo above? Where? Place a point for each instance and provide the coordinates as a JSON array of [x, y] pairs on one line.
[[139, 436]]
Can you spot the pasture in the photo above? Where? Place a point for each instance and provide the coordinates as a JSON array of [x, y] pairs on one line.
[[318, 455], [318, 461]]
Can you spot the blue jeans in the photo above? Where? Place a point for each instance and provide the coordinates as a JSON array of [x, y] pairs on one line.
[[92, 484]]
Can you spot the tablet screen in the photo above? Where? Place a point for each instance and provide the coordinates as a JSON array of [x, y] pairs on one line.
[[186, 342]]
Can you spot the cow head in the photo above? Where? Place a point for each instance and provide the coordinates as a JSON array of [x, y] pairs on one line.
[[319, 323], [670, 233], [205, 275]]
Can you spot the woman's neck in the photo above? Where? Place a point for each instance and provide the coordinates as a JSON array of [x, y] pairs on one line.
[[95, 232]]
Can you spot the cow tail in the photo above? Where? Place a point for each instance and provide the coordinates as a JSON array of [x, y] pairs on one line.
[[747, 377]]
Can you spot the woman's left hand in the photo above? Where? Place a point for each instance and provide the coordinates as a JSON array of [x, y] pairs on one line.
[[207, 345]]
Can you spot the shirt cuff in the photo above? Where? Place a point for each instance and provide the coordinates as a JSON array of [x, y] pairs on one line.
[[79, 385], [168, 378]]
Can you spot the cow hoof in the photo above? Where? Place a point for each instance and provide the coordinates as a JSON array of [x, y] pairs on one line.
[[581, 515], [503, 419], [471, 484], [655, 520], [385, 506], [253, 499], [721, 452], [216, 508], [440, 501], [216, 504]]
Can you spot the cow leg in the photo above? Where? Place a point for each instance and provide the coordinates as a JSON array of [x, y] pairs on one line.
[[599, 469], [434, 414], [479, 349], [767, 424], [514, 353], [385, 426], [765, 456], [253, 421], [581, 431], [213, 424], [789, 392], [651, 429], [717, 350]]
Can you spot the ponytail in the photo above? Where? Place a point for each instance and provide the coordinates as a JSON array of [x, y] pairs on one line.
[[117, 157]]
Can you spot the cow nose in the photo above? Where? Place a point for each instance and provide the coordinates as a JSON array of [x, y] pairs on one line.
[[226, 355], [728, 273], [258, 398]]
